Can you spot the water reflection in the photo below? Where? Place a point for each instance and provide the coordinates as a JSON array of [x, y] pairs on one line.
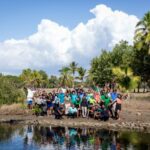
[[60, 138]]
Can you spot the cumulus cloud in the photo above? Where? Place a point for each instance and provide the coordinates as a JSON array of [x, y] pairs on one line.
[[54, 45]]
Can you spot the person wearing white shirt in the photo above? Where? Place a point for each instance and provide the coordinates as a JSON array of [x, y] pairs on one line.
[[30, 95]]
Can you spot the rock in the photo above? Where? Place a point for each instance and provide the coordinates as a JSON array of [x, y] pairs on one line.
[[144, 127], [138, 114], [123, 124]]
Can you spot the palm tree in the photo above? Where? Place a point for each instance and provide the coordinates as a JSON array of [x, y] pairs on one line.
[[73, 69], [125, 78], [37, 78], [26, 77], [142, 33], [31, 78], [81, 72], [66, 79]]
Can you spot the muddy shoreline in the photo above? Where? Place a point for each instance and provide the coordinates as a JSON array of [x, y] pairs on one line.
[[78, 122]]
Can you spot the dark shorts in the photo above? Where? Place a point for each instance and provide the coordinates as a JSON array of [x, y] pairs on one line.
[[118, 107], [29, 102], [50, 105]]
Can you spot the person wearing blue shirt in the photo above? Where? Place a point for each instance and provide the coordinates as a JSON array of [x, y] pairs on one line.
[[61, 96], [81, 95], [114, 95]]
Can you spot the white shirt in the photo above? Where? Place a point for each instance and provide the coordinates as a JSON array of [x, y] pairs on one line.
[[30, 94]]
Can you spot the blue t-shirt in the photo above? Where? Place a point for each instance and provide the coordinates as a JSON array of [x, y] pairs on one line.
[[81, 96], [61, 96], [73, 98], [113, 96]]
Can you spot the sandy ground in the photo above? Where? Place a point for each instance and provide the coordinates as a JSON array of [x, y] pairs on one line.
[[135, 115]]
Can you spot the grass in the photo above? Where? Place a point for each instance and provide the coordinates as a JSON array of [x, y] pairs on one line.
[[13, 109]]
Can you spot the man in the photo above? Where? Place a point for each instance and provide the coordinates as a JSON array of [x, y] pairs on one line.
[[114, 96], [58, 111], [72, 112]]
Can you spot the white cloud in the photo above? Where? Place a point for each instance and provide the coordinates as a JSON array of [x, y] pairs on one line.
[[54, 45]]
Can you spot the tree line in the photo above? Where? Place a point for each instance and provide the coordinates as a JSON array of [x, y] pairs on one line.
[[127, 65]]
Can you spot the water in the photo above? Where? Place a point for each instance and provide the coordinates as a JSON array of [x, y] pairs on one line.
[[17, 137]]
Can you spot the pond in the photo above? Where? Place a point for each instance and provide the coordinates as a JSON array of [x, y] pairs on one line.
[[29, 137]]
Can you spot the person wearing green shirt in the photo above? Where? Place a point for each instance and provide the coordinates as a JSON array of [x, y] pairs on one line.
[[77, 102], [92, 100], [73, 97], [102, 97], [107, 101]]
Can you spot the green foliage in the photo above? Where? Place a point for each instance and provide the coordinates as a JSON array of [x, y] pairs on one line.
[[101, 71], [73, 67], [66, 80], [141, 62], [142, 33], [125, 78], [122, 54], [34, 78], [82, 73], [53, 82], [11, 90], [37, 110]]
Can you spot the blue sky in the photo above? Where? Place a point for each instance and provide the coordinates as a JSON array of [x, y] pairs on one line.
[[49, 34], [19, 18]]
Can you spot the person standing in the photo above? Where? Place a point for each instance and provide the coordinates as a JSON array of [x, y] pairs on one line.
[[84, 105], [73, 97], [61, 96], [30, 94], [118, 106]]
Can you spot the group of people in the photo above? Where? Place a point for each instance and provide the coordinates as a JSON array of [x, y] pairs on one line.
[[79, 102]]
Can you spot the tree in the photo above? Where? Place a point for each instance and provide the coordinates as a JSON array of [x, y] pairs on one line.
[[33, 78], [81, 72], [65, 77], [53, 82], [122, 54], [101, 69], [11, 90], [73, 69], [142, 33], [125, 78], [36, 79], [26, 77], [44, 76], [141, 62]]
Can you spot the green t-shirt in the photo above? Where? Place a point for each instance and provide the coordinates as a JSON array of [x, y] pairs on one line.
[[92, 100], [103, 97], [106, 102], [77, 102]]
